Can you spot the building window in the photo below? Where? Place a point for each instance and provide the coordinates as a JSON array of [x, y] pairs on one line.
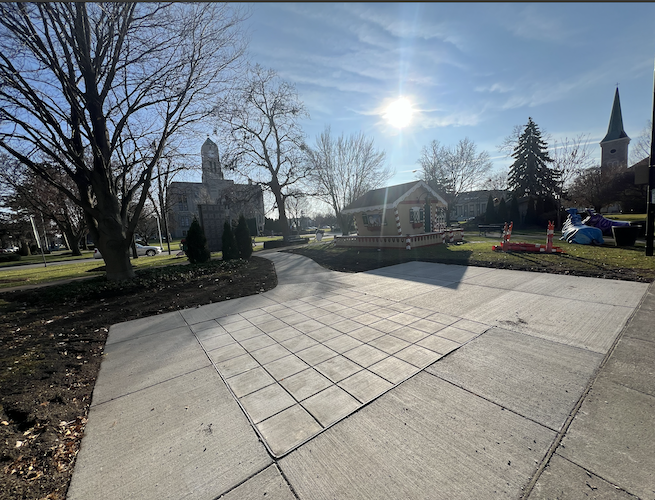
[[416, 215], [183, 234], [184, 221], [183, 204]]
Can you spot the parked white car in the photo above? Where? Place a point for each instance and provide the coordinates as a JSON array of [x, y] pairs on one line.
[[141, 250]]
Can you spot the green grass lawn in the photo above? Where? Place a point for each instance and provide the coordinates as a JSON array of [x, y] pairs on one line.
[[585, 260]]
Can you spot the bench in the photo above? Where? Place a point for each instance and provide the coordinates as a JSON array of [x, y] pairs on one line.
[[484, 228]]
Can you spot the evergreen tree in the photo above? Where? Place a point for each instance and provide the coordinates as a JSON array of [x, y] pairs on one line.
[[530, 175], [540, 209], [490, 214], [197, 250], [530, 215], [242, 236], [514, 214], [501, 212], [230, 249]]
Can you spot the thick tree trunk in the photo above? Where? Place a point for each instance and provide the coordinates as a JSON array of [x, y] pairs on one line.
[[73, 242], [110, 238]]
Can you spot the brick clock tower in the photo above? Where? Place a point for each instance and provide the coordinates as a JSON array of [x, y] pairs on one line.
[[614, 147]]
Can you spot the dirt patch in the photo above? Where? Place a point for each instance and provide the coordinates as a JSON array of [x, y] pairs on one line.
[[50, 354]]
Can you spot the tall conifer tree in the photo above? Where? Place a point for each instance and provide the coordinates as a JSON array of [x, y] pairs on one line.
[[530, 175]]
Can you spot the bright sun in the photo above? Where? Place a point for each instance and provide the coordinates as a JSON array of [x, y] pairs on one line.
[[399, 113]]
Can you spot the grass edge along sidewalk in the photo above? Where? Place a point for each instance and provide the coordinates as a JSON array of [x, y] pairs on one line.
[[605, 261]]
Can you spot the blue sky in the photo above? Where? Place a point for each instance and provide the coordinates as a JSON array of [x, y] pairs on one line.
[[469, 69]]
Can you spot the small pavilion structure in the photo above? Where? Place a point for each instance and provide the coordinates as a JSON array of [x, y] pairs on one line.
[[407, 216]]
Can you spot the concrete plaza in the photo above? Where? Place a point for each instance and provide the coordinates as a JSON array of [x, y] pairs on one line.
[[413, 381]]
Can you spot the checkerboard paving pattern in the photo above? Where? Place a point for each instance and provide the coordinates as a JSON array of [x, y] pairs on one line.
[[298, 367]]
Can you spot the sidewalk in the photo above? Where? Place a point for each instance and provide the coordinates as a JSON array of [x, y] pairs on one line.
[[413, 381]]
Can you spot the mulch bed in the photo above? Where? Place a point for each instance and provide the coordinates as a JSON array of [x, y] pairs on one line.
[[50, 354]]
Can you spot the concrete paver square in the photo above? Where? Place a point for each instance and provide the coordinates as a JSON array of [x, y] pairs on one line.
[[258, 342], [268, 483], [308, 326], [272, 325], [216, 341], [330, 405], [205, 325], [316, 354], [286, 333], [366, 334], [286, 366], [235, 326], [298, 343], [386, 325], [288, 429], [237, 365], [303, 307], [381, 312], [232, 318], [338, 368], [324, 333], [457, 334], [403, 318], [249, 381], [346, 326], [365, 385], [365, 318], [167, 442], [427, 326], [365, 355], [295, 318], [210, 331], [284, 313], [438, 344], [226, 352], [389, 344], [418, 356], [261, 319], [253, 313], [342, 343], [266, 402], [444, 319], [409, 334], [393, 369], [270, 353], [329, 318], [246, 333], [334, 307], [304, 384]]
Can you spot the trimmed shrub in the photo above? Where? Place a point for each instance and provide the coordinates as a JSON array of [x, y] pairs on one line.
[[9, 257], [197, 250], [230, 249], [242, 237]]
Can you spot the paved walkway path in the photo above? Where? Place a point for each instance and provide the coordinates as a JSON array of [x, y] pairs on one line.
[[413, 381]]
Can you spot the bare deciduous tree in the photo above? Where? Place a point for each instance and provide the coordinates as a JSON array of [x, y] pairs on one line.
[[453, 170], [641, 147], [98, 89], [496, 181], [264, 137], [32, 194], [570, 158], [345, 168]]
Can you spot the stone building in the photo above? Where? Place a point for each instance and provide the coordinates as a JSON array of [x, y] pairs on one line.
[[213, 201]]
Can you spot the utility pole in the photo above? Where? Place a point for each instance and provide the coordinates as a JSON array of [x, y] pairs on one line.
[[650, 215]]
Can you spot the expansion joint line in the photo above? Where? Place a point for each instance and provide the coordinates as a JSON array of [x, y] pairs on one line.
[[562, 432]]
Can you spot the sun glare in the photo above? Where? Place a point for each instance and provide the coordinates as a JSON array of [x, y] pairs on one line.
[[399, 113]]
